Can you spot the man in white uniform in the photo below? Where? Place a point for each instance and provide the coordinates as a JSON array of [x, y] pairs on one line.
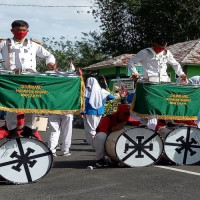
[[154, 61], [20, 55]]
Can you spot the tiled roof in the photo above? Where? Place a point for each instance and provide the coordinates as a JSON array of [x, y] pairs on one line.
[[113, 62], [185, 53]]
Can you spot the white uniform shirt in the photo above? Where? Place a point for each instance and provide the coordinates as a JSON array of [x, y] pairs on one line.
[[154, 65], [23, 55]]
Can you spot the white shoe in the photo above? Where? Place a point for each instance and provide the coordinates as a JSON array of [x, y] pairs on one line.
[[66, 154], [58, 147], [54, 154]]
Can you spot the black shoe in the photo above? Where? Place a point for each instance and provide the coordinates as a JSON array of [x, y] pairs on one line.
[[143, 126], [28, 132], [12, 134], [171, 124], [101, 163]]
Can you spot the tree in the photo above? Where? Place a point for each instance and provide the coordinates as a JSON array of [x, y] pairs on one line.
[[83, 53], [130, 25], [88, 49], [62, 50], [118, 26], [178, 20]]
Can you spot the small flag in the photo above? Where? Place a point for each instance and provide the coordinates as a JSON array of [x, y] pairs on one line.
[[107, 88], [72, 67], [80, 72]]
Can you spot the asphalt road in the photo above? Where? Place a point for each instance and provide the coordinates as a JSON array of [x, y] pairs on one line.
[[69, 179]]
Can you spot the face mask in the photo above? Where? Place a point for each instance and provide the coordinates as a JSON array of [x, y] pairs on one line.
[[20, 34], [158, 50]]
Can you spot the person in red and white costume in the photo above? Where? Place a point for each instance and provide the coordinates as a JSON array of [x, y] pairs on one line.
[[19, 54], [109, 124], [154, 61]]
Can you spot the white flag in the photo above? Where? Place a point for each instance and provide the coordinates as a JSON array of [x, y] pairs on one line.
[[72, 67]]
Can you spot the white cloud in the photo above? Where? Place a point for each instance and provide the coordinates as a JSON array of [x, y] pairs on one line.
[[49, 21]]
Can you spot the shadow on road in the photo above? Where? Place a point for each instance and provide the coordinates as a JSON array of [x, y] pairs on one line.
[[78, 164], [83, 164]]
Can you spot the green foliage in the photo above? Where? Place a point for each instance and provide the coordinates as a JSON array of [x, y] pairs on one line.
[[88, 49], [83, 53], [178, 20], [111, 106], [130, 25], [118, 32]]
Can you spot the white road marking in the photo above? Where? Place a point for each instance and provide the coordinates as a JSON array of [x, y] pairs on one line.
[[178, 170]]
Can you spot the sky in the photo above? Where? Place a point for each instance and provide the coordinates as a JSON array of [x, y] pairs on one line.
[[64, 18]]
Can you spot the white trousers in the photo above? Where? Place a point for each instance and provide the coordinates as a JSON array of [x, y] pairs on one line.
[[11, 120], [90, 124], [99, 144], [60, 124]]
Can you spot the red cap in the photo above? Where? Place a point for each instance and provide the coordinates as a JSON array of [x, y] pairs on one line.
[[123, 108]]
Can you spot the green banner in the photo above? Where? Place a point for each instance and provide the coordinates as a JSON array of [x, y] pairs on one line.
[[41, 94], [167, 101]]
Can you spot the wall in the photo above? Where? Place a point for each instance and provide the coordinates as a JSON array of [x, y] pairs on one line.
[[107, 71], [112, 73], [190, 70], [193, 70]]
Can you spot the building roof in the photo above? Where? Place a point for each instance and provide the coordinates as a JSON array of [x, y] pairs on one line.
[[113, 62], [185, 53]]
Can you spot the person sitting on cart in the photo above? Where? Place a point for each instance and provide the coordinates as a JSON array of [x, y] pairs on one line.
[[111, 123]]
